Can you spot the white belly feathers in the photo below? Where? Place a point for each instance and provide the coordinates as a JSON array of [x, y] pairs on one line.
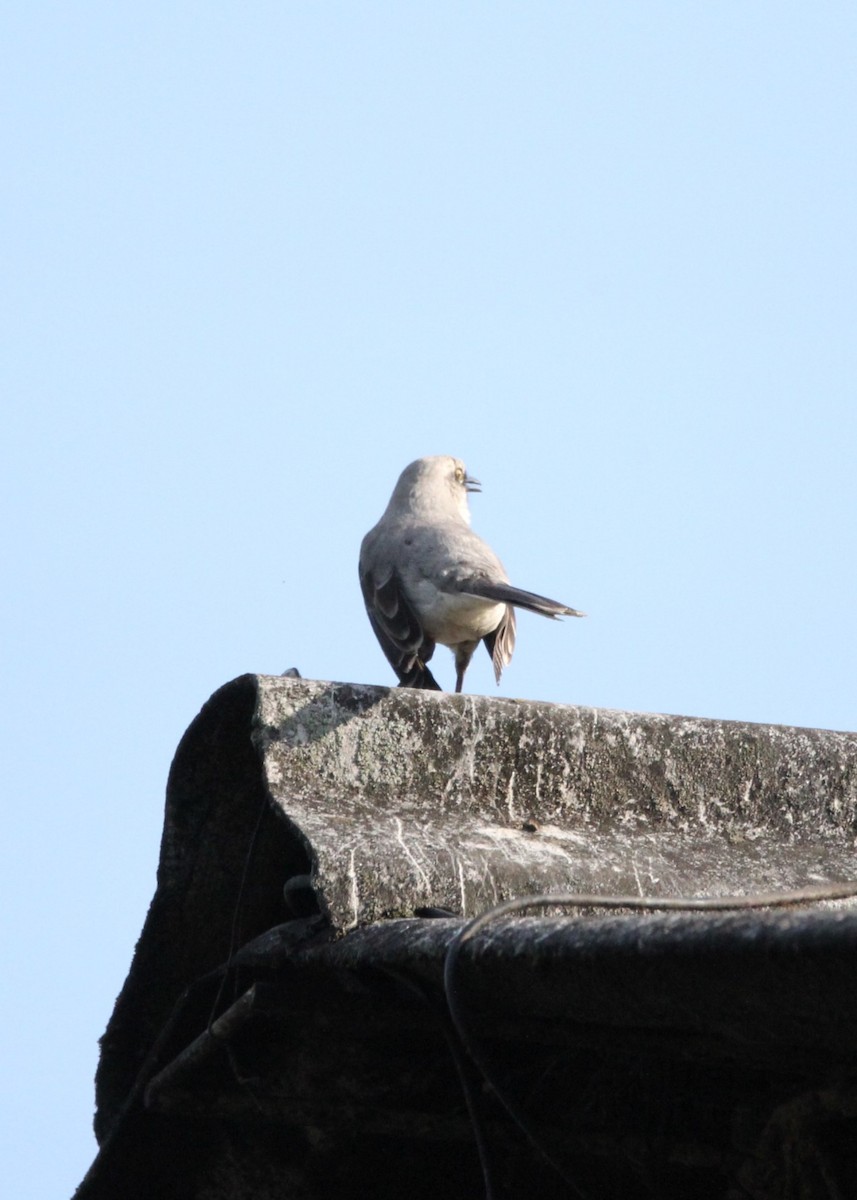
[[453, 618]]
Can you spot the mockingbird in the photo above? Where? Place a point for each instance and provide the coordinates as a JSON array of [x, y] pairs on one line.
[[427, 578]]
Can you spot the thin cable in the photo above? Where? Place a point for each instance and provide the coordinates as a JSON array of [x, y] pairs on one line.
[[464, 1068], [236, 913], [456, 1007]]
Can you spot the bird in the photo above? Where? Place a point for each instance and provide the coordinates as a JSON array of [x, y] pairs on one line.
[[427, 578]]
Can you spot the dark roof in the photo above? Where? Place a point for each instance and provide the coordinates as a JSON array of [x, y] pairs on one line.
[[300, 1043]]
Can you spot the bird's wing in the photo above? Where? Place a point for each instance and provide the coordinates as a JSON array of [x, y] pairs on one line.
[[403, 639], [504, 593], [500, 644]]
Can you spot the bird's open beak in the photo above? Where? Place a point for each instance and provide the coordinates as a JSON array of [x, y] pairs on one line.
[[471, 484]]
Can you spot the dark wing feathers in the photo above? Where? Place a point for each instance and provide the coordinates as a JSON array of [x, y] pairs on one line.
[[399, 632], [500, 644]]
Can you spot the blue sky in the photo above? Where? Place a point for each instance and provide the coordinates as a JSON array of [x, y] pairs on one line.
[[257, 258]]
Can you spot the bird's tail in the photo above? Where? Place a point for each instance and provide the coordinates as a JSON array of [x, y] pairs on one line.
[[506, 594]]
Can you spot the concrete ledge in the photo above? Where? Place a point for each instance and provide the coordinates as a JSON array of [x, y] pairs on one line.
[[303, 816], [378, 801], [408, 798]]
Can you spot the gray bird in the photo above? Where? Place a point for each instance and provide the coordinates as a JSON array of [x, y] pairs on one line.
[[426, 578]]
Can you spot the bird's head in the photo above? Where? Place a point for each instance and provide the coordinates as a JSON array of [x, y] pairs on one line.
[[435, 487]]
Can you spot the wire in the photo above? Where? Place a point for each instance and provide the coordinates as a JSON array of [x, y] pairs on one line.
[[456, 1005], [236, 914], [464, 1069]]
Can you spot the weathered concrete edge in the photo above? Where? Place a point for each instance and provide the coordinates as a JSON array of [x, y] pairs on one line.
[[319, 753], [424, 798], [373, 743]]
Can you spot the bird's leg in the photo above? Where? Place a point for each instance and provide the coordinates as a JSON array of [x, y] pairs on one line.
[[463, 655]]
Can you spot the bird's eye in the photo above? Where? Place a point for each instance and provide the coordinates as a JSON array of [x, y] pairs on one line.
[[459, 474]]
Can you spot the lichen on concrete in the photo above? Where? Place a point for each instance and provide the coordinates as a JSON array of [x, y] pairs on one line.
[[463, 800]]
